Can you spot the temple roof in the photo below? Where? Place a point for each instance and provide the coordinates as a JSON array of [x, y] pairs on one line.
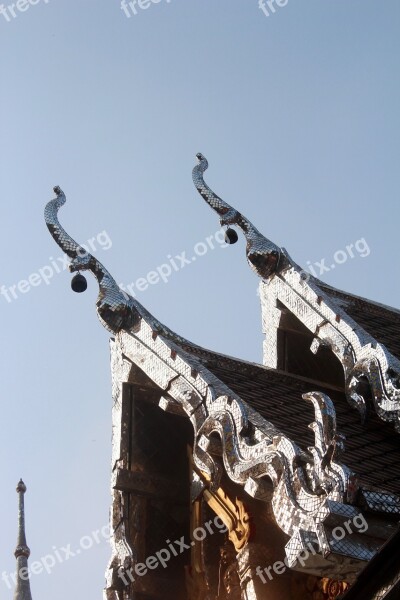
[[361, 333], [333, 350]]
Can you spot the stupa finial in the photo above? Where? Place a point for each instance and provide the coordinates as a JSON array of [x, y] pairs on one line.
[[22, 552]]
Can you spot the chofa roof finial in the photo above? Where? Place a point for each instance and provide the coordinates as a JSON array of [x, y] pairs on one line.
[[264, 257], [116, 309], [113, 305]]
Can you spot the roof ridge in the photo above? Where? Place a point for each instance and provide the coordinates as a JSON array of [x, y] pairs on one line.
[[371, 303]]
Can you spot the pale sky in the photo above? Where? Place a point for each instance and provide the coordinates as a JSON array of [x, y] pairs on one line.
[[298, 115]]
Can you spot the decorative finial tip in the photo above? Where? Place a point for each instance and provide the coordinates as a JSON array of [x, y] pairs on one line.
[[21, 487], [57, 190]]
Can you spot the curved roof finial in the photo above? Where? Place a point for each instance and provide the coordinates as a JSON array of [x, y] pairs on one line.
[[116, 309], [113, 305], [264, 257], [22, 552]]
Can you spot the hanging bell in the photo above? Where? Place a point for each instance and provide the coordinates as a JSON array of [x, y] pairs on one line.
[[231, 237], [78, 283]]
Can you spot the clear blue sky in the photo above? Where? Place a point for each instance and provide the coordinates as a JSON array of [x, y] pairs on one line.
[[298, 114]]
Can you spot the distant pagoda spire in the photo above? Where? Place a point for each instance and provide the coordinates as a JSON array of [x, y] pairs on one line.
[[22, 552]]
